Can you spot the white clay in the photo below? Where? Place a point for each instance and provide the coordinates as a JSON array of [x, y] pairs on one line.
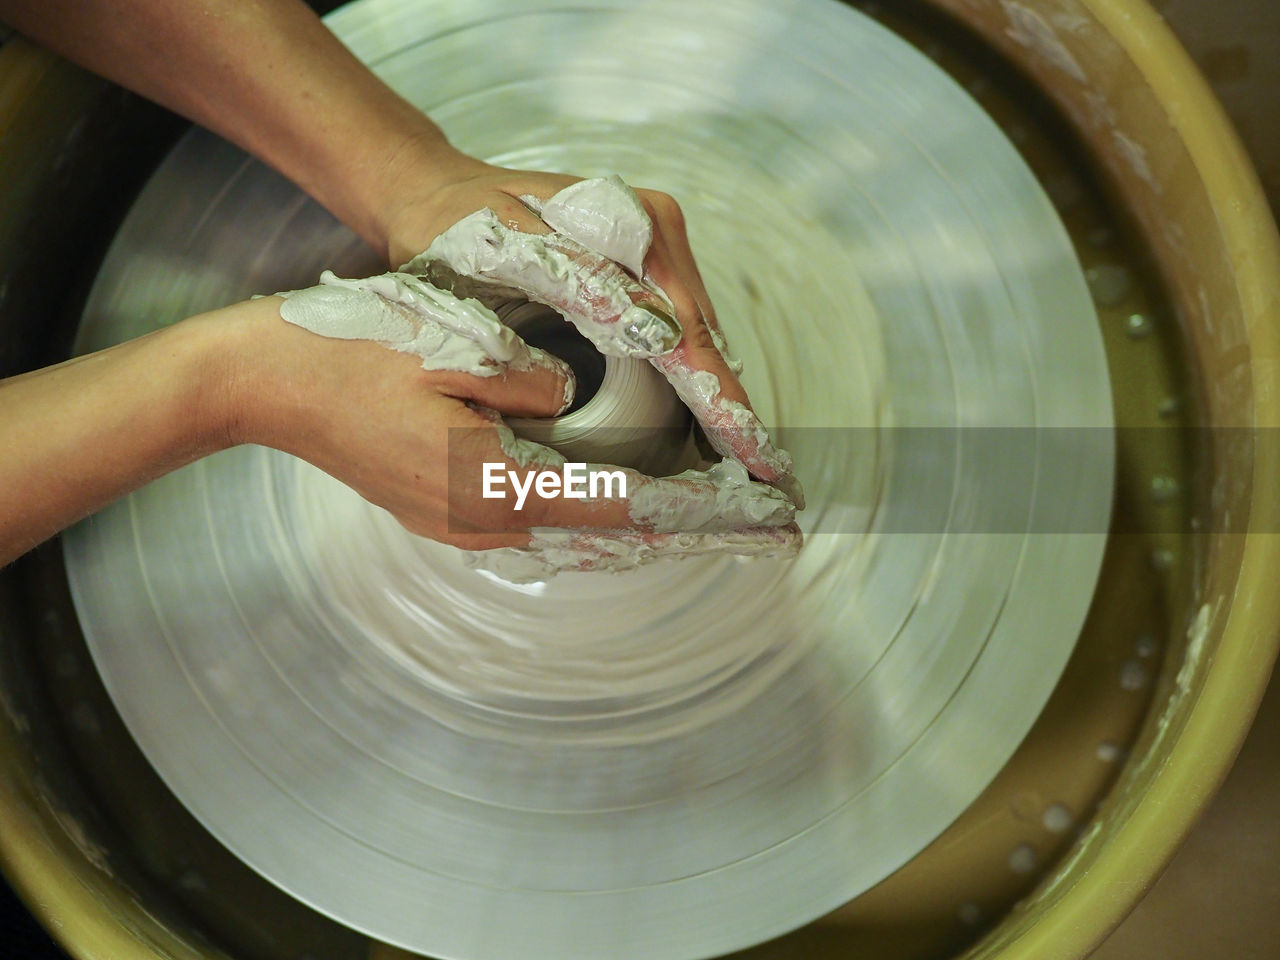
[[695, 512], [407, 314], [680, 504], [700, 390], [559, 551], [502, 264], [604, 215], [523, 452]]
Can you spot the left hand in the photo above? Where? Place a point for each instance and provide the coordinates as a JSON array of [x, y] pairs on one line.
[[698, 367]]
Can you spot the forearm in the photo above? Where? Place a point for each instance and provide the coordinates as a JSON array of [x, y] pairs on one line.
[[266, 74], [78, 435]]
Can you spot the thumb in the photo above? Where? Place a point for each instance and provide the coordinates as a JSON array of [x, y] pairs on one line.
[[537, 385]]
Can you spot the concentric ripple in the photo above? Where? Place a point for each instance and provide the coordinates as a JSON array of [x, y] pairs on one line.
[[694, 756]]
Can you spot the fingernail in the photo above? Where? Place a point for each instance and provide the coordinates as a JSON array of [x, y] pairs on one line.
[[649, 329], [570, 381], [790, 486], [550, 361], [768, 510], [570, 389]]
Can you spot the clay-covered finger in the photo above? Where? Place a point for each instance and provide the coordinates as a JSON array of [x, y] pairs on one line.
[[675, 244], [544, 387], [700, 369], [553, 551], [407, 314], [536, 488], [479, 358], [481, 257], [731, 426], [721, 498]]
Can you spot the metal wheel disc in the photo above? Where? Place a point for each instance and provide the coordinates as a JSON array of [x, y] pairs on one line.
[[695, 756]]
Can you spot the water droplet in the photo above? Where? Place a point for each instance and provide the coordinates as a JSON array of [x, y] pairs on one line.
[[1137, 326], [1145, 645], [1162, 560], [970, 914], [1108, 751], [1023, 859], [1109, 284], [1164, 489], [1058, 818], [1133, 676]]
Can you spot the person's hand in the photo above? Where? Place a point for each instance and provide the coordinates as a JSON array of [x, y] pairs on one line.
[[379, 165], [413, 441], [699, 367]]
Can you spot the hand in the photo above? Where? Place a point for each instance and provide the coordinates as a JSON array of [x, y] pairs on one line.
[[699, 367], [384, 169], [413, 440]]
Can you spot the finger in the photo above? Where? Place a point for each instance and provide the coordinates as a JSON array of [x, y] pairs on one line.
[[731, 426], [541, 386], [470, 352], [525, 485], [700, 373], [550, 551], [675, 240], [406, 314], [480, 445], [722, 498], [482, 257]]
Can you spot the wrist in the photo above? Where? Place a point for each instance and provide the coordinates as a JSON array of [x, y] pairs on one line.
[[415, 176], [226, 369]]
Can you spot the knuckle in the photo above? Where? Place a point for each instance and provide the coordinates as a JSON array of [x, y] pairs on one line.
[[491, 516], [669, 211], [688, 313], [697, 333], [662, 208]]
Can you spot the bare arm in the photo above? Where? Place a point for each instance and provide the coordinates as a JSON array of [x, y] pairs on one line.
[[78, 435], [270, 77]]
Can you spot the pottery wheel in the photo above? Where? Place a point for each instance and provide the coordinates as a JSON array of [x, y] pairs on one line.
[[695, 756]]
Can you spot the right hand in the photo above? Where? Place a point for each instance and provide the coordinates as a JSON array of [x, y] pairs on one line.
[[377, 421]]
